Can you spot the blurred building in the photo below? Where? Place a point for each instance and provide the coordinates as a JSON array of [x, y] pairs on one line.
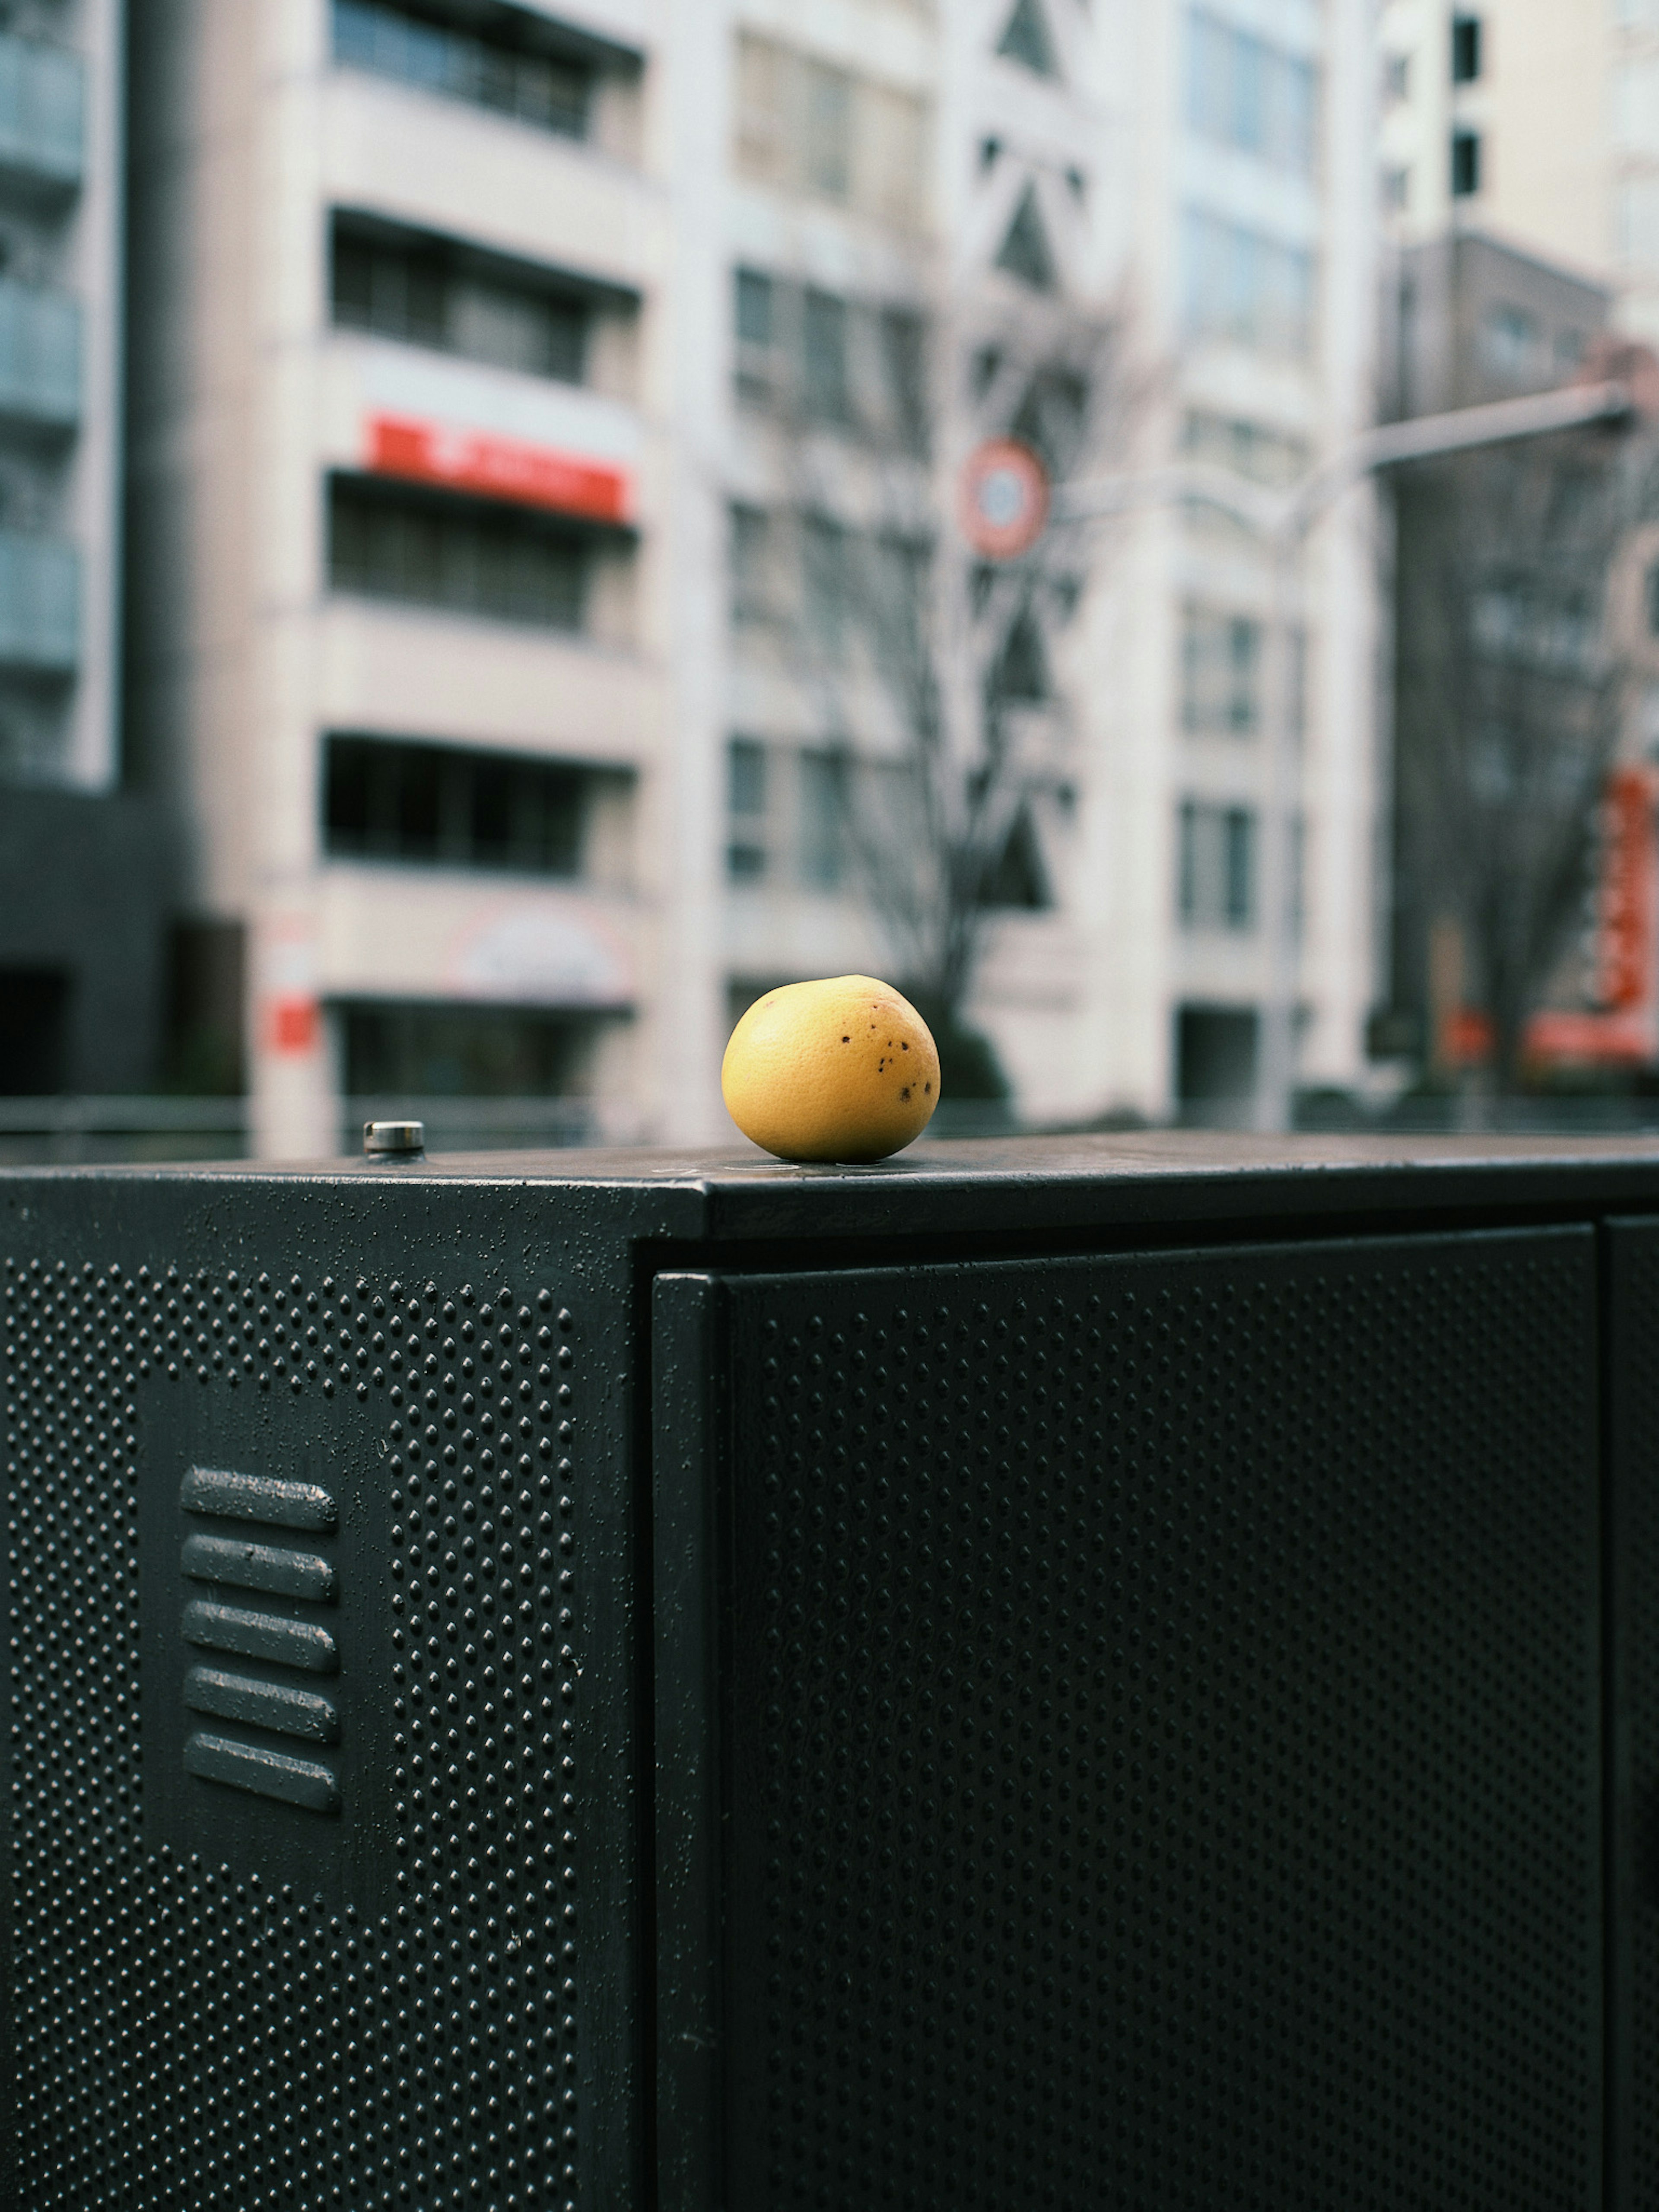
[[534, 409], [1255, 249], [82, 864], [1535, 124]]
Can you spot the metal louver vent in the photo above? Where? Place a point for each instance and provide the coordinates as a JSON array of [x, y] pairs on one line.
[[287, 1645]]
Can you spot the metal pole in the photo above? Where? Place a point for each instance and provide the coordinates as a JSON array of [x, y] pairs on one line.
[[1286, 522]]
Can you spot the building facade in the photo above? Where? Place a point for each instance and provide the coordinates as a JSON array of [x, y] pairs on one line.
[[547, 424], [82, 891]]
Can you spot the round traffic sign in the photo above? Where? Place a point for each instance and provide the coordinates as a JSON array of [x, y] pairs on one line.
[[1005, 499]]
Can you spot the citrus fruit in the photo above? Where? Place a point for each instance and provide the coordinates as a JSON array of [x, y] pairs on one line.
[[840, 1070]]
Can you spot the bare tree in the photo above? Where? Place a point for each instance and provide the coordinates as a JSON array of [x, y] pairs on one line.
[[1510, 693], [930, 669]]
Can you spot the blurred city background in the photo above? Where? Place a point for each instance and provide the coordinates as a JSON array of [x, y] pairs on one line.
[[526, 523]]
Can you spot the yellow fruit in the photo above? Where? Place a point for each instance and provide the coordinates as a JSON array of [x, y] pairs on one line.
[[842, 1070]]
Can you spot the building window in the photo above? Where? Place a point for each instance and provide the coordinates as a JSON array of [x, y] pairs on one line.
[[1220, 672], [823, 820], [824, 389], [1512, 342], [1465, 49], [1653, 599], [826, 583], [1464, 164], [1397, 190], [510, 564], [1215, 1059], [754, 585], [855, 364], [746, 809], [804, 125], [423, 292], [1240, 286], [1396, 79], [388, 799], [1025, 252], [415, 1051], [513, 72], [1027, 40], [1216, 869], [1245, 93], [904, 373], [1249, 449], [826, 151]]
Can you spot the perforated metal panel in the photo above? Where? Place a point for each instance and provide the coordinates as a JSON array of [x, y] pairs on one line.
[[1633, 1372], [1161, 1702], [308, 1932]]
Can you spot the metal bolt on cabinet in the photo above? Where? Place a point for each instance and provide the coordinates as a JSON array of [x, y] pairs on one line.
[[1048, 1674]]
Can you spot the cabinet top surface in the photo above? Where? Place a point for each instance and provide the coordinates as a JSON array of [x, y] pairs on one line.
[[1003, 1185]]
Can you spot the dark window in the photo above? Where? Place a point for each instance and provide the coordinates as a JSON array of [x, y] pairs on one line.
[[1215, 1054], [754, 585], [386, 798], [34, 1005], [1019, 675], [501, 562], [823, 357], [1216, 867], [754, 308], [904, 359], [461, 1052], [1026, 38], [1466, 49], [1465, 163], [1018, 878], [509, 68], [424, 292], [1220, 671], [206, 964], [1025, 252], [823, 820], [747, 802], [825, 582], [1653, 599]]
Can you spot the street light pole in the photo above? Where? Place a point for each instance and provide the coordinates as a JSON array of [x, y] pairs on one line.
[[1285, 521]]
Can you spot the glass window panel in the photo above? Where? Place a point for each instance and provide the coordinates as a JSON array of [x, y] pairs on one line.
[[754, 308], [460, 63], [828, 149], [1238, 892], [504, 565], [823, 820], [746, 773], [824, 582], [823, 364]]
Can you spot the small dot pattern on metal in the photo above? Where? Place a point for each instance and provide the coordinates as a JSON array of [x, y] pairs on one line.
[[1638, 1540], [261, 2049], [394, 1139], [1163, 1768]]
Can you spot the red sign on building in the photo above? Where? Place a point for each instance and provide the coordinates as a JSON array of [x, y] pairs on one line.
[[496, 467]]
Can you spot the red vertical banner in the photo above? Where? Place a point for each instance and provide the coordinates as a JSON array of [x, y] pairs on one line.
[[1625, 919], [1625, 1028]]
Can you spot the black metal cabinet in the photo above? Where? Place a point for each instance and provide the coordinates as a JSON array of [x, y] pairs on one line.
[[1038, 1676]]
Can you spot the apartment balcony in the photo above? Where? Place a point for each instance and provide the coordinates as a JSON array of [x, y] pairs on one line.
[[42, 106], [40, 357], [39, 605]]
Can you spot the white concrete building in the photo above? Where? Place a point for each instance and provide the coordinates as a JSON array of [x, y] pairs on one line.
[[514, 378]]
